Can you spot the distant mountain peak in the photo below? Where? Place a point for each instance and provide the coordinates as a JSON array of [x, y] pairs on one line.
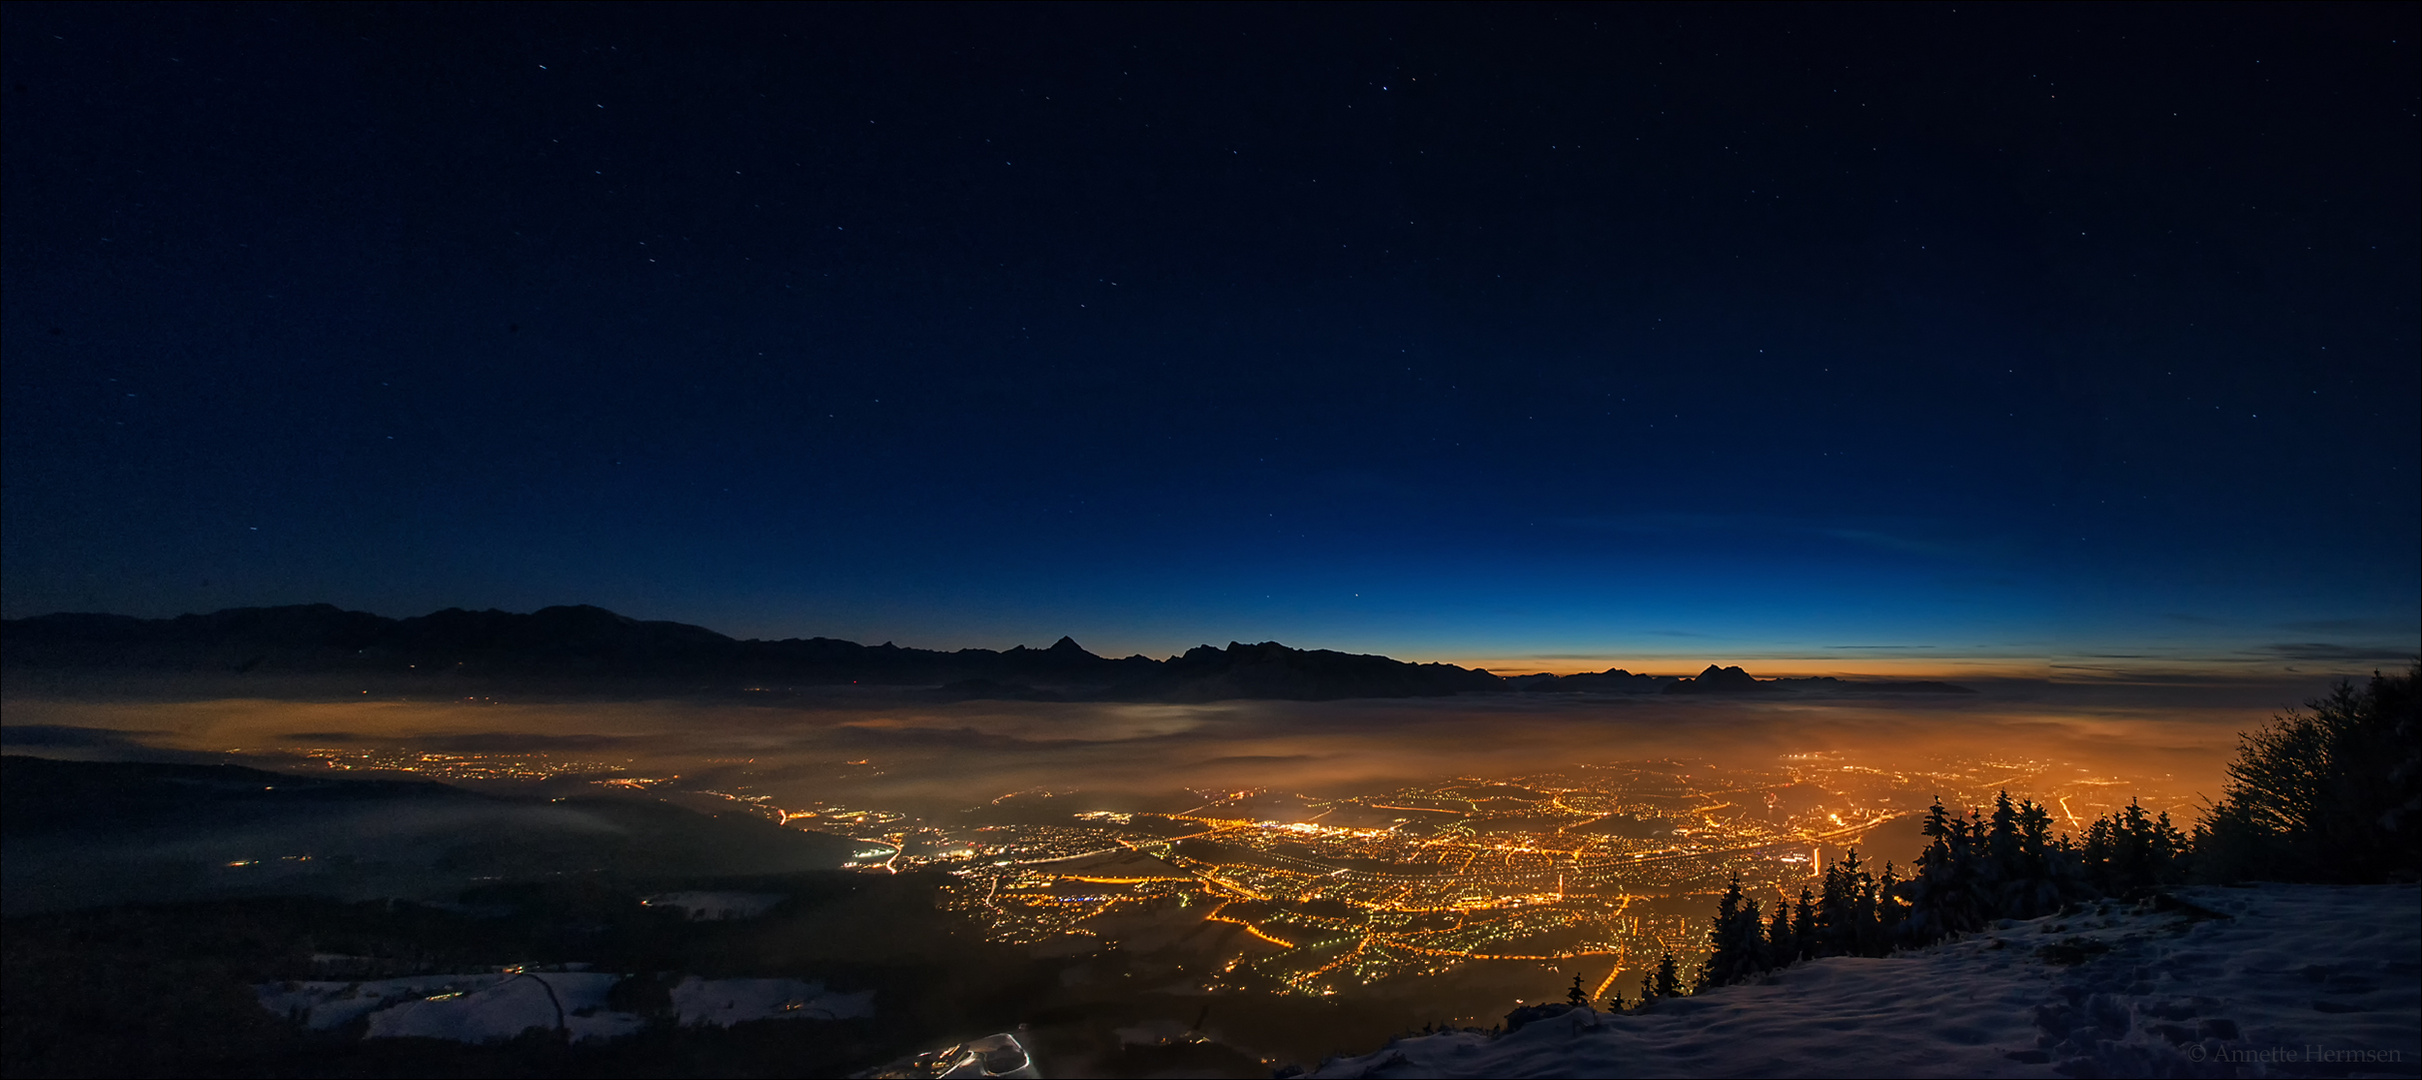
[[1720, 680]]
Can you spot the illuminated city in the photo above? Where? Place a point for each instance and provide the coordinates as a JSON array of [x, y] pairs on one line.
[[437, 765], [1609, 865]]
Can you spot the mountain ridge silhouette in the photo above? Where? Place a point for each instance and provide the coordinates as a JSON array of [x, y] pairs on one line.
[[596, 646]]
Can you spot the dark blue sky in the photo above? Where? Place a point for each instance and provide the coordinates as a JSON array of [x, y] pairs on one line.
[[1541, 336]]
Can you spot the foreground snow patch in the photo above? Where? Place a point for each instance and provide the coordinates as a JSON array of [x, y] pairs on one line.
[[2269, 980], [571, 1000], [493, 1006]]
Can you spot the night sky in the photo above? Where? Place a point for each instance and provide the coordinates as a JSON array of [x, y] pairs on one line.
[[1850, 338]]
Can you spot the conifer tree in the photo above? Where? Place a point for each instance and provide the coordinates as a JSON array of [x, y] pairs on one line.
[[1782, 947], [2002, 839], [1833, 911], [1749, 940], [2035, 840], [1736, 943], [2098, 853], [1804, 925], [2066, 863], [1942, 887], [1729, 907], [1890, 909], [2334, 794], [1863, 938], [2132, 862], [1728, 912], [2177, 850], [1669, 976], [2132, 850], [1847, 906], [2046, 877]]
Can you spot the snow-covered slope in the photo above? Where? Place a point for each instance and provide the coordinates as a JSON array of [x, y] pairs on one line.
[[2268, 980], [573, 1000]]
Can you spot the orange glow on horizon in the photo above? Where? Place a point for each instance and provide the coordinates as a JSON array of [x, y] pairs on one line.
[[1860, 668], [1883, 668]]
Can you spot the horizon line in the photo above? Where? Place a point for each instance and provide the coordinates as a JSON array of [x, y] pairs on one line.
[[1787, 663]]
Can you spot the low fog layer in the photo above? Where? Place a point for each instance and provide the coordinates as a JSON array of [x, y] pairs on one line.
[[2164, 743], [84, 834]]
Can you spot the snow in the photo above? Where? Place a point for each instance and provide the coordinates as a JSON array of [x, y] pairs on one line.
[[511, 1006], [2267, 980], [992, 1055], [324, 1005], [492, 1006]]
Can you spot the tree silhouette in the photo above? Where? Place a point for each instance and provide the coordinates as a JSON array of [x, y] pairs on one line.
[[1669, 976], [1736, 943], [1942, 888], [1975, 870], [1890, 910], [2132, 851], [1803, 926], [2330, 795], [1782, 947]]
